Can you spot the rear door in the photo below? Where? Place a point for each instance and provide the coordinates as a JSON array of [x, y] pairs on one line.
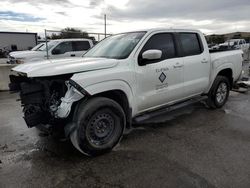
[[161, 81], [196, 63], [79, 48]]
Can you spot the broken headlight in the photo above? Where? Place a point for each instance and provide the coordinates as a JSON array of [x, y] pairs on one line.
[[78, 87], [74, 93]]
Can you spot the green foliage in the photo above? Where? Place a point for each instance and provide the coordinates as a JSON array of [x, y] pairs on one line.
[[70, 33], [215, 39], [237, 36]]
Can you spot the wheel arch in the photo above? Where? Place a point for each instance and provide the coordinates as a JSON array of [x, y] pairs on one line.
[[228, 73], [225, 70], [117, 90], [121, 98]]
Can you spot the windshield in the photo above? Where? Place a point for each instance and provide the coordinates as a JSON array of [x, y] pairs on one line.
[[37, 47], [50, 45], [117, 46]]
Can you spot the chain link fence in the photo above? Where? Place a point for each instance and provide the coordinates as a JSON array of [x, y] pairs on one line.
[[54, 34]]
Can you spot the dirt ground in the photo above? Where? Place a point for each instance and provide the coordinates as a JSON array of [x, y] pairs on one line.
[[190, 147]]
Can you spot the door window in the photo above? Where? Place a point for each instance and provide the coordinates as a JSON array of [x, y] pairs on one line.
[[63, 48], [191, 44], [80, 45], [163, 42]]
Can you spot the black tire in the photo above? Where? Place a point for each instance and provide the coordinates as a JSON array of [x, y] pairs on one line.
[[220, 87], [100, 125]]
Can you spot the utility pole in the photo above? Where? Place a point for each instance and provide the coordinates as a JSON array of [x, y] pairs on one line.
[[46, 43], [105, 24]]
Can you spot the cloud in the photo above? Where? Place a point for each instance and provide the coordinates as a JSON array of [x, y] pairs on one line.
[[9, 15], [229, 10], [62, 13], [66, 3], [213, 16], [95, 3]]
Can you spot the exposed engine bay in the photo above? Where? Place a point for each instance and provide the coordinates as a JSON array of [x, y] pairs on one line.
[[45, 100]]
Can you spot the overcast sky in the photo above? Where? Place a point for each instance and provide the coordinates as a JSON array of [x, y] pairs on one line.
[[210, 16]]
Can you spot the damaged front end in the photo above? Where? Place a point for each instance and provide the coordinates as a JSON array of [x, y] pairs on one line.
[[46, 100]]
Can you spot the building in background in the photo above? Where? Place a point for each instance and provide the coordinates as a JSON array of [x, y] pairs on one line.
[[13, 41]]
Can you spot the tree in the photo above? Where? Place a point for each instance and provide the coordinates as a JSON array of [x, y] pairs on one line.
[[216, 39], [237, 36], [70, 33]]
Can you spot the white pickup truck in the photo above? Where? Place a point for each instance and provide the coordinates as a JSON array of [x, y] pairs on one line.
[[95, 99], [59, 48]]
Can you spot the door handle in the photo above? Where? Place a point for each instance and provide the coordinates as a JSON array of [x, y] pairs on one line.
[[178, 66], [204, 61], [73, 55]]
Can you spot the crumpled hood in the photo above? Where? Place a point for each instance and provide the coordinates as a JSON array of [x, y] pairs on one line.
[[64, 66], [27, 54]]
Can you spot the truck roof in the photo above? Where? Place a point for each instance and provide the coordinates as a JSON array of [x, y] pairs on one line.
[[72, 39], [166, 29]]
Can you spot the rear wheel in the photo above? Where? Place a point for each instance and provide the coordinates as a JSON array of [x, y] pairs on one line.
[[100, 125], [219, 92]]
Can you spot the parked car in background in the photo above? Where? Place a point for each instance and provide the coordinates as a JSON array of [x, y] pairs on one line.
[[17, 53], [4, 51], [56, 49], [94, 99], [38, 46], [213, 46], [235, 44]]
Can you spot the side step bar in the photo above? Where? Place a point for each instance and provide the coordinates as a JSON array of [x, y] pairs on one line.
[[167, 108]]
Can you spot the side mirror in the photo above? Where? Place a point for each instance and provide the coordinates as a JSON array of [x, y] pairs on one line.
[[56, 51], [152, 55], [149, 56]]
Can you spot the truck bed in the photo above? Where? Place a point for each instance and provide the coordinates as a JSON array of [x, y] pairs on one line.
[[228, 57]]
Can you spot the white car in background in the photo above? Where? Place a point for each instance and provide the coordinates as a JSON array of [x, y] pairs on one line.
[[213, 47], [37, 46], [17, 53], [59, 48], [235, 44]]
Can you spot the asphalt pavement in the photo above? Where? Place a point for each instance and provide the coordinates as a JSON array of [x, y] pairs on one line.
[[191, 147], [3, 60]]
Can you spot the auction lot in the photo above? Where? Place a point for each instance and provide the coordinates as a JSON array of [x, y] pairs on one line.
[[190, 147]]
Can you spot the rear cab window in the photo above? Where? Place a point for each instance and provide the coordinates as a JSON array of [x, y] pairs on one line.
[[80, 45], [190, 43]]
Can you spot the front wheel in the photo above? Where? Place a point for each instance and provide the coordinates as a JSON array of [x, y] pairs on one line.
[[219, 92], [100, 125]]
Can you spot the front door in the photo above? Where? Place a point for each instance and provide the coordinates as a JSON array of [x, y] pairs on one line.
[[64, 49], [161, 81]]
